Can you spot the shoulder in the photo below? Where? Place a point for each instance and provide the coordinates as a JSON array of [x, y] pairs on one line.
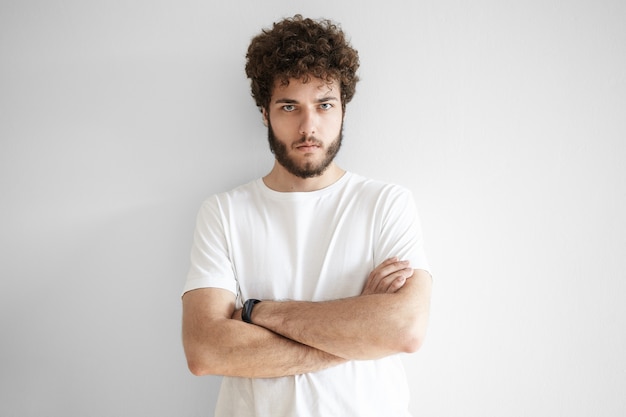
[[226, 204], [241, 193], [379, 190]]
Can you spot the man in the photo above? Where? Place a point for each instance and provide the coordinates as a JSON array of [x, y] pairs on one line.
[[305, 284]]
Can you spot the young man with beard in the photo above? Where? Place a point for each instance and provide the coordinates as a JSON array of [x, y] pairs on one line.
[[305, 284]]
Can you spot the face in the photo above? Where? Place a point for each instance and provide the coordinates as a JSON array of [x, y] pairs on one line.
[[305, 123]]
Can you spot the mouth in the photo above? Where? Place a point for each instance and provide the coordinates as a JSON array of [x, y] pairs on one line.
[[307, 147]]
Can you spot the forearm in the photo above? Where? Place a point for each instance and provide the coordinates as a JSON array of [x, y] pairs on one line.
[[234, 348], [364, 327]]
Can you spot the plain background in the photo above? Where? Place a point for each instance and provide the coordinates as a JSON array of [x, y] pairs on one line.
[[507, 119]]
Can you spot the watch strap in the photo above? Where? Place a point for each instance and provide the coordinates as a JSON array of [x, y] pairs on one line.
[[246, 312]]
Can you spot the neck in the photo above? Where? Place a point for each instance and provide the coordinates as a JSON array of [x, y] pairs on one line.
[[279, 179]]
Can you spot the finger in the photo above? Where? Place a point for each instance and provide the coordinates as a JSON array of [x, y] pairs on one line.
[[382, 276], [394, 281], [389, 283], [399, 282], [387, 268], [236, 314]]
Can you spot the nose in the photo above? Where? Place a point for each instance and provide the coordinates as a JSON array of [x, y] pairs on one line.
[[308, 123]]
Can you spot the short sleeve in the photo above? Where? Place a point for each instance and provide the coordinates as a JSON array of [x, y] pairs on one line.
[[400, 229], [210, 265]]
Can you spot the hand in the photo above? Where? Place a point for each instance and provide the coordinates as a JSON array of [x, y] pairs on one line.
[[236, 314], [388, 277]]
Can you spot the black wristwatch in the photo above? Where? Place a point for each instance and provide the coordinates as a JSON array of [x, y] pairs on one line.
[[246, 312]]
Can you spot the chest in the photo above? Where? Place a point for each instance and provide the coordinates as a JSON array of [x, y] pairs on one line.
[[314, 251]]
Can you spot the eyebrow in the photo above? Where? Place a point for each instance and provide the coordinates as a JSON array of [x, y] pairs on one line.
[[319, 100]]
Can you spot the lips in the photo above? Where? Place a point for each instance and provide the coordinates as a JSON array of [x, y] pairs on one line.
[[307, 147], [309, 144]]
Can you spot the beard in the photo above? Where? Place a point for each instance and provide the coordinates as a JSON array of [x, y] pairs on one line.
[[307, 169]]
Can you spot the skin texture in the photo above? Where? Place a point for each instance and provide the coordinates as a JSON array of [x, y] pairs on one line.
[[217, 341], [287, 337], [359, 328]]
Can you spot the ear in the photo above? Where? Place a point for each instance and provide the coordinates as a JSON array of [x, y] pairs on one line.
[[264, 112]]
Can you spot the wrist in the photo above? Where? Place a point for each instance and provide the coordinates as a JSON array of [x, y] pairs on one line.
[[246, 312]]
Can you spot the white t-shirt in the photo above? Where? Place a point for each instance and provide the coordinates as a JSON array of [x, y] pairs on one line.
[[313, 246]]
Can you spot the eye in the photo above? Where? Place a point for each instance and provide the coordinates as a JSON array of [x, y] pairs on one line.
[[289, 107], [326, 106]]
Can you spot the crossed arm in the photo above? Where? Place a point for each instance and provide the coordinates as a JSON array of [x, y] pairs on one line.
[[294, 337]]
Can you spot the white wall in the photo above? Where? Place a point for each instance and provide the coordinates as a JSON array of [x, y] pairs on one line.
[[507, 120]]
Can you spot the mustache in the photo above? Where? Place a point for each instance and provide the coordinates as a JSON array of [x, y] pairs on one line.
[[310, 140]]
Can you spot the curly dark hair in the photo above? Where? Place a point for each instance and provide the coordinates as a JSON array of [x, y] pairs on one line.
[[301, 48]]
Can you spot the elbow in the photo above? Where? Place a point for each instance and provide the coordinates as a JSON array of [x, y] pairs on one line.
[[199, 364], [201, 367], [202, 356], [198, 368], [412, 344], [412, 339]]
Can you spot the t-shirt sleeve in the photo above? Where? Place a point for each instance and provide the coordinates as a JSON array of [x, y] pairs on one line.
[[210, 265], [400, 229]]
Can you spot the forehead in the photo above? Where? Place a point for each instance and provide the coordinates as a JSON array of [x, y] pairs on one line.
[[313, 87]]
